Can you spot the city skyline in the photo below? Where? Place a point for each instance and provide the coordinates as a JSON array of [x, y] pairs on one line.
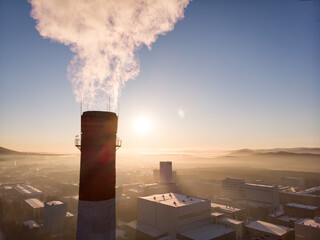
[[230, 75]]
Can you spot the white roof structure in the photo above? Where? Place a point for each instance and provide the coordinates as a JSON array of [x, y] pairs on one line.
[[268, 228], [173, 199], [258, 185], [31, 224], [69, 214], [309, 222], [312, 190], [27, 189], [54, 203], [207, 232], [75, 197], [225, 208], [231, 221], [217, 214], [34, 203]]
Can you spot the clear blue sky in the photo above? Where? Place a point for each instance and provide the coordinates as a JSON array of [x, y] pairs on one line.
[[246, 74]]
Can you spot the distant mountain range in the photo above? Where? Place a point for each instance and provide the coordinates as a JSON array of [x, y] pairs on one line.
[[298, 151], [8, 151], [277, 151]]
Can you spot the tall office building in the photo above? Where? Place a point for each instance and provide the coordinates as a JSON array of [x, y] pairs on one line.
[[165, 172]]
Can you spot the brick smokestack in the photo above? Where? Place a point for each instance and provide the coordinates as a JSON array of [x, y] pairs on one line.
[[96, 210]]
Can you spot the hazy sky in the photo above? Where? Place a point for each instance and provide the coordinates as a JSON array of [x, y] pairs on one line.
[[232, 74]]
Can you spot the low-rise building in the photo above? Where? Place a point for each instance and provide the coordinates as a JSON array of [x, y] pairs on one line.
[[301, 210], [208, 232], [176, 216], [34, 208], [299, 197], [54, 216], [238, 226], [229, 211], [307, 229], [238, 189], [265, 230], [27, 191]]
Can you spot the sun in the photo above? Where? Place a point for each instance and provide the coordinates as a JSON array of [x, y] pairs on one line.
[[142, 125]]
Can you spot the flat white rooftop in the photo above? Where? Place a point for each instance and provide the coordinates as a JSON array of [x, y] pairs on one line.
[[258, 185], [224, 207], [27, 189], [75, 197], [217, 214], [34, 203], [207, 232], [231, 221], [268, 228], [309, 222], [173, 199], [54, 203]]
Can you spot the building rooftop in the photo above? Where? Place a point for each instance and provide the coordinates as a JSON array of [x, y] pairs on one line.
[[75, 197], [217, 214], [296, 178], [173, 199], [254, 204], [54, 203], [225, 208], [206, 232], [27, 189], [303, 193], [287, 218], [258, 185], [297, 205], [234, 180], [312, 190], [34, 203], [231, 220], [69, 214], [309, 222], [31, 224], [269, 228], [6, 187]]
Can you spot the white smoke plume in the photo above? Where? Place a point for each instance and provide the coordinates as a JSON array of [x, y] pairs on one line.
[[104, 35]]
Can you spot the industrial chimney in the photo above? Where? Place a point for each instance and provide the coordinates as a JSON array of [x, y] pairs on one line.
[[96, 210]]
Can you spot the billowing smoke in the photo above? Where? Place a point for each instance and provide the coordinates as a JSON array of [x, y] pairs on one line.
[[104, 35]]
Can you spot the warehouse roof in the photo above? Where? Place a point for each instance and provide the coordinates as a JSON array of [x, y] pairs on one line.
[[174, 199], [206, 232], [268, 228], [34, 202]]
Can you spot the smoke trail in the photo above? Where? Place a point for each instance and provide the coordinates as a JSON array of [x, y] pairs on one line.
[[104, 35]]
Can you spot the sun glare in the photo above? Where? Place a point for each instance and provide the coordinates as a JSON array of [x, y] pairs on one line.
[[142, 125]]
